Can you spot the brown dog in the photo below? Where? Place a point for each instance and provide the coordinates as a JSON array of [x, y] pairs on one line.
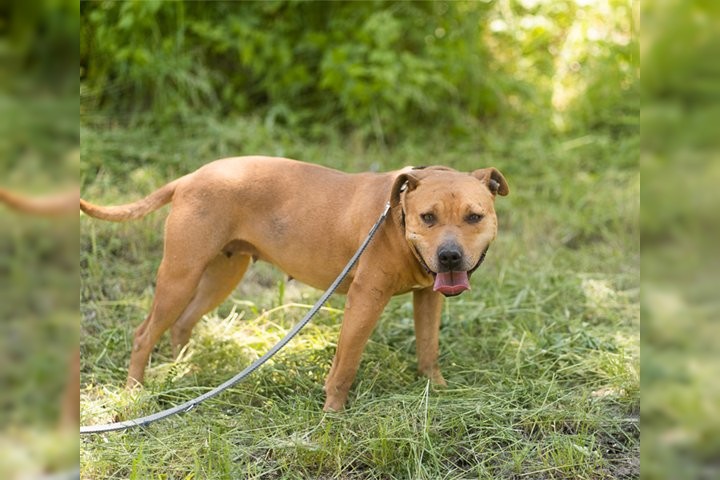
[[308, 220]]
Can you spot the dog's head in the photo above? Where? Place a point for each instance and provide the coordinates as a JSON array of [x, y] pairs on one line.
[[449, 220]]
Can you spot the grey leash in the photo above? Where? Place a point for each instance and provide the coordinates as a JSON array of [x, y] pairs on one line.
[[190, 404]]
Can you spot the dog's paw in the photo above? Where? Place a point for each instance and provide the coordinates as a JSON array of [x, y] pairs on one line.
[[133, 385], [436, 378], [333, 405]]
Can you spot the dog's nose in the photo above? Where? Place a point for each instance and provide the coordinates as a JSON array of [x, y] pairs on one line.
[[450, 257]]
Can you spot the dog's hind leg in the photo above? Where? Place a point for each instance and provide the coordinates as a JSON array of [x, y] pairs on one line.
[[191, 244], [219, 279], [175, 287]]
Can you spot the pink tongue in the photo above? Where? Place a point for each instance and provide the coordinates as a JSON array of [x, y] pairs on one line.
[[451, 283]]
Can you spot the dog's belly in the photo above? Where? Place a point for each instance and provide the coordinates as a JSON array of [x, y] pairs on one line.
[[315, 268]]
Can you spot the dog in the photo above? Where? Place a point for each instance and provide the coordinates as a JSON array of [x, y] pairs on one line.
[[308, 220]]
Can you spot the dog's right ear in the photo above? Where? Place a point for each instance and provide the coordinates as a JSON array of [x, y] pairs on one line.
[[405, 182], [494, 180]]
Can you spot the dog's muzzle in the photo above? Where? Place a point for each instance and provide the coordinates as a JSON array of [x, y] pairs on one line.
[[454, 282], [451, 280]]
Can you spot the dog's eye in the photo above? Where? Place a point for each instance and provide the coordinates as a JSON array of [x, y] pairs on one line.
[[474, 218], [428, 218]]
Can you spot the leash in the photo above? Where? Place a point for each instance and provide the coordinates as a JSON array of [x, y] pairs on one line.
[[190, 404]]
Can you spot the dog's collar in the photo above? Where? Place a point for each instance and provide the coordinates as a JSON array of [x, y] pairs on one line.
[[480, 260], [403, 188], [422, 262], [420, 259], [412, 246]]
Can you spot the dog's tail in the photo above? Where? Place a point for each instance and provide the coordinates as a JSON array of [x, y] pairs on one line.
[[131, 211]]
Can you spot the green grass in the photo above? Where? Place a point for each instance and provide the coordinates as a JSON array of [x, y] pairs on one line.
[[541, 356]]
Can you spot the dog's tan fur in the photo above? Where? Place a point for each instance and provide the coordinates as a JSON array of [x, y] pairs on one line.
[[308, 220]]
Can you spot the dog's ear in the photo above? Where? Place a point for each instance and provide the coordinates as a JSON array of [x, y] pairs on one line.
[[493, 179], [405, 182]]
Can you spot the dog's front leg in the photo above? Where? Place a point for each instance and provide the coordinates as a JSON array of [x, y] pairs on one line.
[[427, 307], [363, 307]]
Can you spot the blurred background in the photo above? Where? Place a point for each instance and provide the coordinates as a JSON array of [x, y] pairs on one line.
[[680, 226], [39, 161]]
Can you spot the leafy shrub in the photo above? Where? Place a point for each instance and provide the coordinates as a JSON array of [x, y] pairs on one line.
[[377, 67]]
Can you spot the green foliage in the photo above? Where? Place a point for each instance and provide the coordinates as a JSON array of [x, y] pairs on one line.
[[380, 68]]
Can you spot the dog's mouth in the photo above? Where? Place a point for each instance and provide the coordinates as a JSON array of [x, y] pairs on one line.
[[451, 283]]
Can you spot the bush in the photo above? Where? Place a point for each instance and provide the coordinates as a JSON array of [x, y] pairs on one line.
[[378, 67]]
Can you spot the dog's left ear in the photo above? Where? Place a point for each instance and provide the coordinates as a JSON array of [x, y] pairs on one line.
[[493, 179], [403, 183]]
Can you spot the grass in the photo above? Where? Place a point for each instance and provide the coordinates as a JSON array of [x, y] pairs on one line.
[[541, 356]]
